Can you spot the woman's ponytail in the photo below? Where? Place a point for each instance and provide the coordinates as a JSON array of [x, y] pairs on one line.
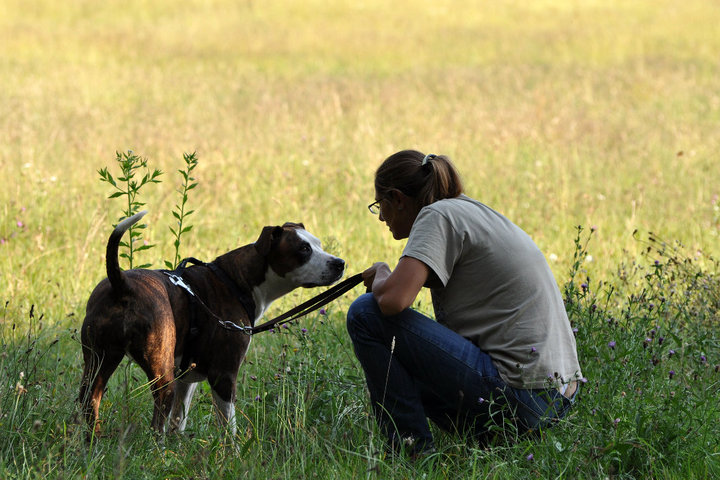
[[426, 178]]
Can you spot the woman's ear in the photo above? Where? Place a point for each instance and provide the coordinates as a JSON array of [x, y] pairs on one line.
[[400, 201]]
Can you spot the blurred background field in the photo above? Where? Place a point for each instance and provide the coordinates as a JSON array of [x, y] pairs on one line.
[[558, 113]]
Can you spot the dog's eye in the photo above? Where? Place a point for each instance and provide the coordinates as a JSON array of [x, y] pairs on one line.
[[305, 248]]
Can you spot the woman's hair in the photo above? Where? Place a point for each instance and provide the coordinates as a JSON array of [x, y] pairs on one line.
[[425, 178]]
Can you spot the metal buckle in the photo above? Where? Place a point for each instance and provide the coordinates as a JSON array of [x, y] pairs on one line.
[[234, 326], [179, 282]]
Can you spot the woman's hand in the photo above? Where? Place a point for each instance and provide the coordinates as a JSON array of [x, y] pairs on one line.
[[370, 274], [396, 290]]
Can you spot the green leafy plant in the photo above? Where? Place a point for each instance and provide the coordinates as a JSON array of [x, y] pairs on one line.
[[128, 186], [180, 213]]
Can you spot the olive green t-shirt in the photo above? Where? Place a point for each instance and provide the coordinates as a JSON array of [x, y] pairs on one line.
[[497, 291]]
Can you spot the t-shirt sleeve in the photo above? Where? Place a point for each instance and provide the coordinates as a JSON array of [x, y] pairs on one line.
[[434, 241]]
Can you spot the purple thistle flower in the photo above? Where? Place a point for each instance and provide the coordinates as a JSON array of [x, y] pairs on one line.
[[671, 373], [612, 344], [616, 421], [703, 359], [258, 399], [323, 311], [304, 330], [533, 350], [530, 458], [20, 224], [481, 400], [671, 353]]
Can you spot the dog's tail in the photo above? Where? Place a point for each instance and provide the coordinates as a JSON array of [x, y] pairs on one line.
[[114, 273]]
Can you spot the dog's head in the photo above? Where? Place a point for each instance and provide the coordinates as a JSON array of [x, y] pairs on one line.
[[296, 255]]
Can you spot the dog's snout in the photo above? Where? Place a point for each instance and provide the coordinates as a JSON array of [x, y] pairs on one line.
[[337, 265]]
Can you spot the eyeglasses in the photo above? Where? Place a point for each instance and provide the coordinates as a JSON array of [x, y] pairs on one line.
[[374, 207]]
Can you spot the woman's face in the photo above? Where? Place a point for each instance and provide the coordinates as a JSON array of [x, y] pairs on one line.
[[398, 212]]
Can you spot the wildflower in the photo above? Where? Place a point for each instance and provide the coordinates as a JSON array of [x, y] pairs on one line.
[[584, 286], [323, 311], [703, 359], [533, 350], [20, 224], [575, 330], [20, 389], [616, 421], [253, 377], [661, 340], [530, 457], [672, 373], [257, 398], [304, 330], [481, 400], [671, 352], [612, 344]]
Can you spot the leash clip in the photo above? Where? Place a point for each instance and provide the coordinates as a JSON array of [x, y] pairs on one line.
[[228, 325], [179, 282]]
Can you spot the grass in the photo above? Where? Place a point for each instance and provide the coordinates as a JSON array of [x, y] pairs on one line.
[[558, 114]]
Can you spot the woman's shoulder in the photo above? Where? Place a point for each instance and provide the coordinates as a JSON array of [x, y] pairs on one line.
[[462, 203]]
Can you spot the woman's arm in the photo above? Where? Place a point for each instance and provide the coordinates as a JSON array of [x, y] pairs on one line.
[[396, 290]]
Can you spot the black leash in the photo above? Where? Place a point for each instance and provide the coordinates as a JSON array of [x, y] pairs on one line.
[[311, 305], [301, 310]]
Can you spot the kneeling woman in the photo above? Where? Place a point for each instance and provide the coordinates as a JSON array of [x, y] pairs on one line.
[[501, 347]]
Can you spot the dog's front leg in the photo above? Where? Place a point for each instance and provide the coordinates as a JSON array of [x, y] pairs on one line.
[[223, 392], [181, 406], [225, 412]]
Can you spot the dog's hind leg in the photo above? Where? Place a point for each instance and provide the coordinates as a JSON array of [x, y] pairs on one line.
[[96, 373], [154, 354]]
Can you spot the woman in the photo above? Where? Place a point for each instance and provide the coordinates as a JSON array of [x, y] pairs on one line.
[[502, 346]]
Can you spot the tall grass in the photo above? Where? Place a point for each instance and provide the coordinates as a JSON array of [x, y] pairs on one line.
[[558, 114]]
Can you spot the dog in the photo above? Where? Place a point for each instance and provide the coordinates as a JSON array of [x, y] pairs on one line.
[[149, 316]]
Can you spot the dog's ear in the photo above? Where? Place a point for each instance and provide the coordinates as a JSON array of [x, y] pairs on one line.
[[267, 239], [294, 225]]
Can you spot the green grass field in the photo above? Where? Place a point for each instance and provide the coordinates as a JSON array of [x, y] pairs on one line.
[[557, 113]]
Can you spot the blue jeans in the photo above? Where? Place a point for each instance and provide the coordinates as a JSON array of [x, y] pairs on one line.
[[417, 369]]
